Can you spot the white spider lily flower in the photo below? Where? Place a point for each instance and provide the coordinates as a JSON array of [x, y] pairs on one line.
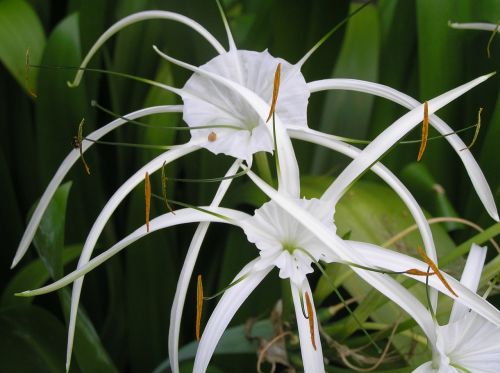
[[469, 342], [208, 102], [283, 243]]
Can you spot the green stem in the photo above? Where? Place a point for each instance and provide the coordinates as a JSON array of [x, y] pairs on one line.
[[263, 167]]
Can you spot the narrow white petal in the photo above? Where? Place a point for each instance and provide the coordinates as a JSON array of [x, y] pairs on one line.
[[66, 165], [471, 276], [482, 26], [288, 177], [394, 261], [183, 216], [312, 359], [382, 283], [474, 171], [426, 368], [142, 16], [328, 141], [230, 302], [186, 272], [103, 218]]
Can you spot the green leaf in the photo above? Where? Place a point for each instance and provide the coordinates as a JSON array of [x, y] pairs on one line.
[[347, 113], [49, 237], [20, 30], [32, 276], [233, 341], [428, 192], [31, 340]]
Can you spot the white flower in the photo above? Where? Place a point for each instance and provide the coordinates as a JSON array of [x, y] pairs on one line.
[[469, 342], [210, 103], [283, 242]]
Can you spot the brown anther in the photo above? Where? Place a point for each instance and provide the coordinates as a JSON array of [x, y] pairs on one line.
[[425, 132], [434, 267], [75, 142], [147, 195], [276, 90], [418, 272], [212, 136], [199, 306], [310, 314]]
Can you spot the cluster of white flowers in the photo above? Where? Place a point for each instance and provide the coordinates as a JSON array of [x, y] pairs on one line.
[[233, 93]]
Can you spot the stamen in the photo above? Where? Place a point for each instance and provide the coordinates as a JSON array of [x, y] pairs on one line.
[[418, 272], [77, 144], [276, 89], [212, 136], [310, 313], [199, 306], [425, 132], [490, 40], [476, 133], [146, 125], [434, 267], [27, 74], [164, 188], [147, 195]]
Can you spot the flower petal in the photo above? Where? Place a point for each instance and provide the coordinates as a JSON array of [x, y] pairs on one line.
[[230, 302], [186, 272], [66, 165], [142, 16], [474, 171], [471, 276], [474, 26], [312, 358]]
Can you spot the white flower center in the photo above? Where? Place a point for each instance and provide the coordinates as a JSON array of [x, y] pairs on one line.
[[285, 243], [211, 103]]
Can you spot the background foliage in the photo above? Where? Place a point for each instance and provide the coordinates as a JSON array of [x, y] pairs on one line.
[[123, 323]]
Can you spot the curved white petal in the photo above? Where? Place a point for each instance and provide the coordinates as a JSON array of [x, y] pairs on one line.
[[394, 261], [230, 302], [311, 358], [329, 141], [186, 272], [66, 165], [103, 218], [183, 216], [288, 177], [142, 16], [471, 276], [482, 26], [383, 283], [474, 171]]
